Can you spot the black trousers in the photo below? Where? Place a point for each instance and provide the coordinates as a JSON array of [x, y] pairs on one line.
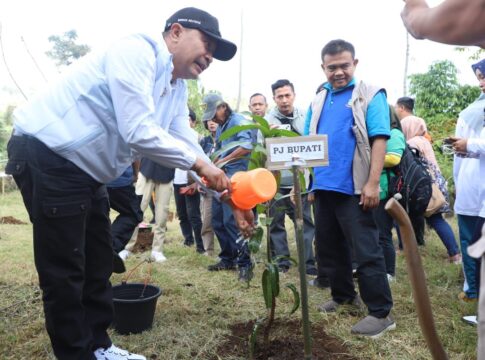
[[72, 246], [188, 212], [342, 227], [385, 223], [125, 201]]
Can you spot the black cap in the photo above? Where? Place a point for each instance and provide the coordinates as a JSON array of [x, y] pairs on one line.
[[194, 18]]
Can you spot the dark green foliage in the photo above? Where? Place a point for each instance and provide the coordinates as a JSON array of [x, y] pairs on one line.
[[64, 48], [196, 95], [438, 94], [6, 121], [439, 100]]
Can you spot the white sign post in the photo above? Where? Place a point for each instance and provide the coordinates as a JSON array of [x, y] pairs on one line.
[[294, 153]]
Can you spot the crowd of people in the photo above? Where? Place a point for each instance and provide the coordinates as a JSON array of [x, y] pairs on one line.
[[121, 119]]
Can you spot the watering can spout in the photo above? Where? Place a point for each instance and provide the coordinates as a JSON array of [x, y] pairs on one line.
[[250, 188]]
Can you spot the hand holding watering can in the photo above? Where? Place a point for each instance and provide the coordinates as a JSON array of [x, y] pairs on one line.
[[248, 189]]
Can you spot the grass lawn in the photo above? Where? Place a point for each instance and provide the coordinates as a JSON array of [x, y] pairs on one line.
[[197, 307]]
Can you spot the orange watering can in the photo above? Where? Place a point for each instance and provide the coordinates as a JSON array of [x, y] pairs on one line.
[[250, 188]]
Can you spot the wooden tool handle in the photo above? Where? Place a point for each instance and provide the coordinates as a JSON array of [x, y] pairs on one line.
[[418, 280]]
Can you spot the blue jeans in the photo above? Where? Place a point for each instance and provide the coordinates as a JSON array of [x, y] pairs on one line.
[[279, 240], [444, 231], [224, 225], [466, 227]]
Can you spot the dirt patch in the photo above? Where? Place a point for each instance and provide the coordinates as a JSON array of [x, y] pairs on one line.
[[286, 343], [144, 240], [11, 220]]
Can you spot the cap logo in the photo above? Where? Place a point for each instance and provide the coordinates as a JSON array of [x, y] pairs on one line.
[[198, 22]]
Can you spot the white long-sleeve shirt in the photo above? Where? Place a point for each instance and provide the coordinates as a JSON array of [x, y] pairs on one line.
[[477, 145], [466, 171], [113, 107]]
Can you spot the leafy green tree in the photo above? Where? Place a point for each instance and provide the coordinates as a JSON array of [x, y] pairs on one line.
[[65, 50], [438, 94], [5, 131], [196, 94]]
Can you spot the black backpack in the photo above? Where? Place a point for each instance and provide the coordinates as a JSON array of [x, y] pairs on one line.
[[412, 181]]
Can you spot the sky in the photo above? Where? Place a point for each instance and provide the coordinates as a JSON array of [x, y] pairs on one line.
[[280, 40]]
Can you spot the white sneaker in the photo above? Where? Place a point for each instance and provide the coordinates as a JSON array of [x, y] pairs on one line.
[[124, 254], [471, 319], [158, 256], [115, 353], [390, 278]]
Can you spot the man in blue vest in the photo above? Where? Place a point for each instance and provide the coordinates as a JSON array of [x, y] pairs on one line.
[[355, 117]]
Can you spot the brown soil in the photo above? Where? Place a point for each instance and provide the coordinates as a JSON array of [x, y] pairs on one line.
[[286, 343], [143, 241], [11, 220]]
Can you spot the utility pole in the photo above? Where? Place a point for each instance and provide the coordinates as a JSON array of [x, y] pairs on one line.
[[406, 64], [240, 64]]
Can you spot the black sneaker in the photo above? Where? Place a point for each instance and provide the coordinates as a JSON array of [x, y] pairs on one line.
[[245, 274], [283, 268], [221, 266], [312, 271], [118, 264]]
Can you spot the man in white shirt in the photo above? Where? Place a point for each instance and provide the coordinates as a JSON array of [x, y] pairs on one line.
[[83, 132]]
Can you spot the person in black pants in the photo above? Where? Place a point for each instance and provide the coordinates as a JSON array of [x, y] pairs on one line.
[[123, 199], [187, 201], [82, 133], [355, 117]]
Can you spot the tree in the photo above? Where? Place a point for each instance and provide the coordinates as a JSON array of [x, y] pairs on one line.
[[438, 93], [196, 95], [65, 50]]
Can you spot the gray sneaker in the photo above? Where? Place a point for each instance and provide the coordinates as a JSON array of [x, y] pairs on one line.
[[332, 305], [373, 327]]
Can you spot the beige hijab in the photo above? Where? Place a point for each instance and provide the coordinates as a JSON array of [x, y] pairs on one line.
[[414, 129]]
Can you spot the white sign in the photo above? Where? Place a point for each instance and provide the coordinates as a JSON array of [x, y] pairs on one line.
[[312, 149]]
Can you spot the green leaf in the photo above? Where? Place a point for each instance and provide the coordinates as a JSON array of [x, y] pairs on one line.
[[296, 297], [253, 337], [266, 221], [234, 130], [227, 147], [267, 289], [254, 243], [261, 121], [275, 278], [282, 133], [261, 209], [259, 148], [257, 157]]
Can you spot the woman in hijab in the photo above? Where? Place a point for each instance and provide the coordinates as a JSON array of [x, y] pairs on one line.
[[414, 130]]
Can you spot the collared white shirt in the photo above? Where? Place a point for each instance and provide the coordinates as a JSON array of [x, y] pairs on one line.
[[113, 107]]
